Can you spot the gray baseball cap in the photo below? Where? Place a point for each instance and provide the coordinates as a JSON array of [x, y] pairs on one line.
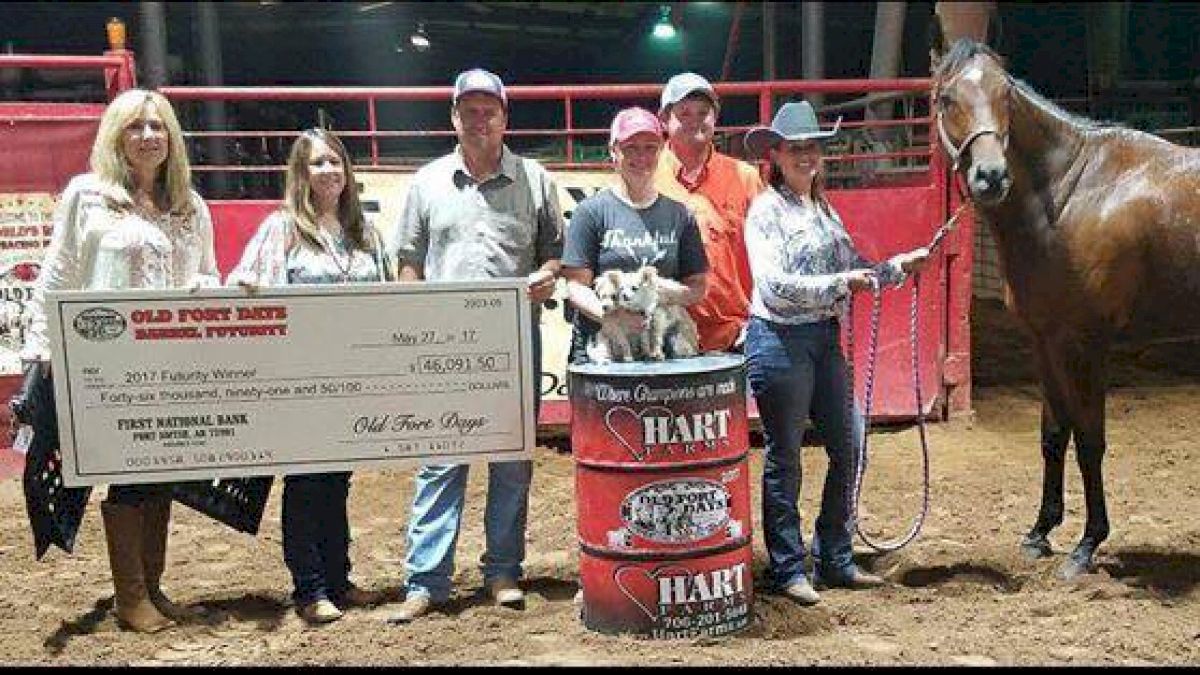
[[683, 85], [480, 80]]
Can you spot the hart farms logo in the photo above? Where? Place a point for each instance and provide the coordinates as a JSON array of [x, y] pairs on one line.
[[681, 602], [658, 429]]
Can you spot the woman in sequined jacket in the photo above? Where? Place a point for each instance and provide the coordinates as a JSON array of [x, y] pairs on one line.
[[133, 222], [318, 236], [805, 267]]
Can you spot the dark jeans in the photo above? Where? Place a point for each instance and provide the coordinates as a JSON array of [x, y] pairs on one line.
[[138, 493], [316, 535], [795, 371]]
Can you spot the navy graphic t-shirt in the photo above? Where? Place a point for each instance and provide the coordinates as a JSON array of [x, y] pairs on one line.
[[606, 233]]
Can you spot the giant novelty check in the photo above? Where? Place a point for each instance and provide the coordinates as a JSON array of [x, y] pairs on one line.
[[168, 385]]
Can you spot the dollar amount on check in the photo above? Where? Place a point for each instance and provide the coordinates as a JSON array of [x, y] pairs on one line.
[[168, 385]]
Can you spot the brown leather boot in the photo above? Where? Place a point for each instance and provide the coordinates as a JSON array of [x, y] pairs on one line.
[[156, 518], [123, 530]]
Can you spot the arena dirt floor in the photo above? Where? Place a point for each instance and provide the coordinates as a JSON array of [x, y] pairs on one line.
[[960, 594]]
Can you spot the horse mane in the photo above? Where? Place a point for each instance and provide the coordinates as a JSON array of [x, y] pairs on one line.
[[1058, 112], [965, 49]]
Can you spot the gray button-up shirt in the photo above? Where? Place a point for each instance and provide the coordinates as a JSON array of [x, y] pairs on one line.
[[454, 228]]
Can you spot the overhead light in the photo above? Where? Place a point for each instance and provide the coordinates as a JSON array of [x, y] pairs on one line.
[[663, 28], [419, 40], [372, 6]]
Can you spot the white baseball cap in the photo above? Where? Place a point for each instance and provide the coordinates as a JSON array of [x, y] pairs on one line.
[[683, 85], [479, 80]]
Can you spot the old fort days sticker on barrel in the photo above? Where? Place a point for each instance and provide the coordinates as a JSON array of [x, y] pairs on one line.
[[159, 386], [663, 498]]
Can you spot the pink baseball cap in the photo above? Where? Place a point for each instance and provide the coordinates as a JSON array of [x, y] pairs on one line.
[[631, 121]]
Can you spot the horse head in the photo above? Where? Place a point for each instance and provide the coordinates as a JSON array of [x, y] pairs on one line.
[[971, 94]]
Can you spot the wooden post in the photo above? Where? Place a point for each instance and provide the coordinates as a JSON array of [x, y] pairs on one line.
[[964, 19]]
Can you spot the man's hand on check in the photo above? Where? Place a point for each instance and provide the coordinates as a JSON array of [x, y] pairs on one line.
[[541, 285]]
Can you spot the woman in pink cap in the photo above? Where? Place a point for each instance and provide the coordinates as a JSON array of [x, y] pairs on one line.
[[627, 226]]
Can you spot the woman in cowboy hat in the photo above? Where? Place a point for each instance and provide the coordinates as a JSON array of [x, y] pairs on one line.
[[805, 267]]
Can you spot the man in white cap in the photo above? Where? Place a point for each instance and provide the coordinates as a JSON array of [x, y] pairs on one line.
[[718, 190], [479, 212]]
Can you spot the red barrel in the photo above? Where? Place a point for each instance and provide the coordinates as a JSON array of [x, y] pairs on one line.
[[663, 496]]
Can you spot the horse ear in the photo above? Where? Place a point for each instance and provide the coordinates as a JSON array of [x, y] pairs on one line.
[[937, 43], [649, 273], [995, 32]]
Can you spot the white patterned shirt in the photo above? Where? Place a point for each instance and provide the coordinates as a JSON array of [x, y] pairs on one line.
[[274, 256], [97, 247], [799, 256]]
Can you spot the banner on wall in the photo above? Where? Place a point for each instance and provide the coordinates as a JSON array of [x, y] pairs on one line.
[[26, 222]]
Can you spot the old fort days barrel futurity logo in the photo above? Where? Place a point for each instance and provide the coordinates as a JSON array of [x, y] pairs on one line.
[[677, 511], [98, 324]]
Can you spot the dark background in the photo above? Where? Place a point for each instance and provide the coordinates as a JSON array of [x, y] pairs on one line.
[[333, 43], [542, 43]]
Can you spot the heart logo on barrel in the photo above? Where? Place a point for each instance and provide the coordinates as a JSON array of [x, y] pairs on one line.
[[636, 582], [625, 425]]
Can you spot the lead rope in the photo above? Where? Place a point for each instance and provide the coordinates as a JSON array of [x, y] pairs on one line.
[[860, 463], [868, 395]]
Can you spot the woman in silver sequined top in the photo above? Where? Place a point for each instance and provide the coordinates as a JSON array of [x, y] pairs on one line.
[[132, 222], [805, 267]]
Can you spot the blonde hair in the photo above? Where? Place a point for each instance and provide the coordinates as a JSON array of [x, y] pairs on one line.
[[298, 201], [172, 186]]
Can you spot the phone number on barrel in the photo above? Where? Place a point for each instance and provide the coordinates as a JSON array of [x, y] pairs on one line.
[[458, 364]]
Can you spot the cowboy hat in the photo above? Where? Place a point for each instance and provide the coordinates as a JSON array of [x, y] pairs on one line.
[[795, 121]]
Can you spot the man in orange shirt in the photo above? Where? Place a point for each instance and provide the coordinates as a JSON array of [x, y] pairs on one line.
[[718, 190]]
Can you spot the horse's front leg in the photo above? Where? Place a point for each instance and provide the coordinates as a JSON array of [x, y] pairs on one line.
[[1089, 451], [1055, 436]]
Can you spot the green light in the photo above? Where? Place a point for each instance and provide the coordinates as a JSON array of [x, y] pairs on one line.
[[664, 29]]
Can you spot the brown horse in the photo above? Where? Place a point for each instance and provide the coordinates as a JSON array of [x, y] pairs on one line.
[[1098, 233]]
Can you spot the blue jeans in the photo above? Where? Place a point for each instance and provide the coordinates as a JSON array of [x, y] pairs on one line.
[[438, 499], [795, 371], [316, 535]]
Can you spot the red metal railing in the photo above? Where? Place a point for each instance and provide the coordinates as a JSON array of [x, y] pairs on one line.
[[116, 65], [570, 96], [118, 70]]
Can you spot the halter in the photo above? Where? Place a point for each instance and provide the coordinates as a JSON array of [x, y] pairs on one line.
[[957, 153]]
